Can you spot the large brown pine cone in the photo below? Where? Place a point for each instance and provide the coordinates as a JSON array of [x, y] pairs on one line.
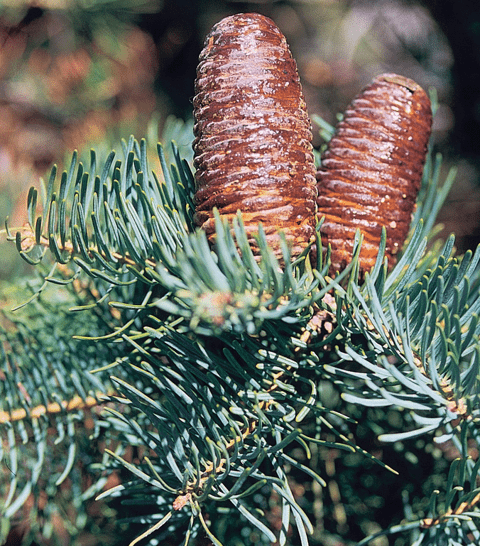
[[252, 145], [372, 169]]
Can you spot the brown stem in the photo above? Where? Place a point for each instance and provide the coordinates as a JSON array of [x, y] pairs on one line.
[[54, 407], [428, 523], [29, 241]]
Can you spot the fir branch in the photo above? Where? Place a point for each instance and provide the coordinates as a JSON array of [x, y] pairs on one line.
[[76, 403], [463, 508], [218, 355]]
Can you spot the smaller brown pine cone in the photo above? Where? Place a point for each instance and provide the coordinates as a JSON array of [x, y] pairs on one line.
[[252, 146], [372, 169]]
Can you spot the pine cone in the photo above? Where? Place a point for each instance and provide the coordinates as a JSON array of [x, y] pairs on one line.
[[372, 169], [252, 144]]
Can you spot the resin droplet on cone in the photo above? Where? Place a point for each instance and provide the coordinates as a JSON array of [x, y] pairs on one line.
[[372, 169], [252, 145]]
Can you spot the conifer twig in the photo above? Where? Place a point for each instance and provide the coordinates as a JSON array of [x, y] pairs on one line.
[[181, 500], [73, 404], [29, 241], [428, 523]]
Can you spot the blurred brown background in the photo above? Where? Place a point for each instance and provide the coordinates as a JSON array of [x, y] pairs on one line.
[[76, 73]]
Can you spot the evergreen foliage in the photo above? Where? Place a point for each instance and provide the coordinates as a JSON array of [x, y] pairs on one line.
[[214, 368]]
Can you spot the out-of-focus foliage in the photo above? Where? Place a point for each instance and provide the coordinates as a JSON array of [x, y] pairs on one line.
[[70, 72]]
